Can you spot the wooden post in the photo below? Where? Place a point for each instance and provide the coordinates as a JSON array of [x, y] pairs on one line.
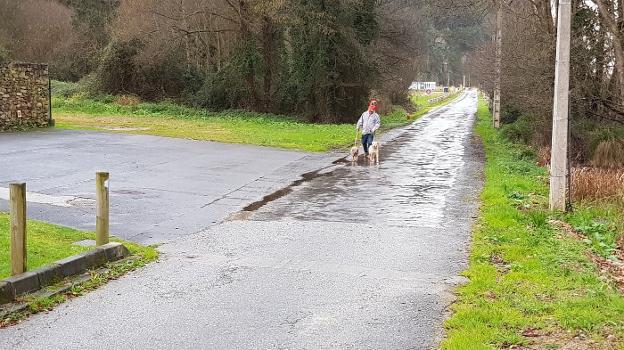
[[101, 221], [17, 197]]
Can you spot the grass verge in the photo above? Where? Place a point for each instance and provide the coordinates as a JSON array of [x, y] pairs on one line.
[[421, 101], [48, 243], [532, 286], [172, 120]]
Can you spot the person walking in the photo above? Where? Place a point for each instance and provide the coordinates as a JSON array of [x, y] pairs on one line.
[[369, 123]]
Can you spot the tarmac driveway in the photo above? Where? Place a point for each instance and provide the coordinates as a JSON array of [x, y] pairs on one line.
[[161, 188]]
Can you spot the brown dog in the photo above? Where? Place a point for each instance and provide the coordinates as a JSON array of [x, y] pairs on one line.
[[354, 154]]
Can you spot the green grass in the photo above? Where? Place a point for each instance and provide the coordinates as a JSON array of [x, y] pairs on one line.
[[47, 243], [601, 224], [422, 100], [397, 118], [524, 274], [173, 120]]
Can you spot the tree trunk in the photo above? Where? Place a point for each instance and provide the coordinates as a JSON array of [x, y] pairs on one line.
[[247, 38], [611, 23], [268, 44], [187, 38], [618, 48]]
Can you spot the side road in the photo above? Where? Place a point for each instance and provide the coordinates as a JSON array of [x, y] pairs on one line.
[[161, 188]]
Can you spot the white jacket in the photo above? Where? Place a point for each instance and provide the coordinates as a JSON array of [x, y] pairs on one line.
[[369, 123]]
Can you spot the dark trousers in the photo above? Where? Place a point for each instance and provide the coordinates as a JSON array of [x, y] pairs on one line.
[[367, 141]]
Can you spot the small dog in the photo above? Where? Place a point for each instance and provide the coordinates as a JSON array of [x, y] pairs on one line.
[[355, 151], [373, 153]]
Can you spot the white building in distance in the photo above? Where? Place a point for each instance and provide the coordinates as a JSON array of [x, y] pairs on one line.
[[423, 86]]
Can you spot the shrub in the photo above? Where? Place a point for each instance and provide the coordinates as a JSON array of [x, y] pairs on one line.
[[529, 130], [222, 90], [64, 89], [213, 93], [116, 71], [521, 131], [510, 115]]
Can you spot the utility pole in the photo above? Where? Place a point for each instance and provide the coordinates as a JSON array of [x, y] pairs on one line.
[[498, 64], [559, 152], [464, 66]]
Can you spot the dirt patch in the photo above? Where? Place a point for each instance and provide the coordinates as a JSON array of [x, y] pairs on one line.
[[569, 342], [541, 340], [501, 265]]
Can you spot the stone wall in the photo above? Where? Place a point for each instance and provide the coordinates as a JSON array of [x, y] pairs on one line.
[[24, 96]]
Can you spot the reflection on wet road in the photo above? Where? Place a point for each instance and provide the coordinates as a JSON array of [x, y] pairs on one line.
[[419, 167]]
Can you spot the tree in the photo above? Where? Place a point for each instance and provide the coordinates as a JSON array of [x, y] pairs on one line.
[[91, 21], [612, 19]]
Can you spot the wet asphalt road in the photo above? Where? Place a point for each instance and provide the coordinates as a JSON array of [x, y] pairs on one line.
[[361, 258], [410, 188]]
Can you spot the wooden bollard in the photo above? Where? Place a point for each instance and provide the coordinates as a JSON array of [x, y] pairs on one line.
[[17, 198], [101, 220]]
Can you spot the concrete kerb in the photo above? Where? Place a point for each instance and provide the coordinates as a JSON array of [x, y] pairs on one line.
[[114, 251], [31, 281], [6, 293], [49, 274], [24, 283]]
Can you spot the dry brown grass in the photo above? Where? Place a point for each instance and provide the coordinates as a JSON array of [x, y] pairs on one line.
[[127, 100], [595, 183], [609, 154], [543, 156]]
